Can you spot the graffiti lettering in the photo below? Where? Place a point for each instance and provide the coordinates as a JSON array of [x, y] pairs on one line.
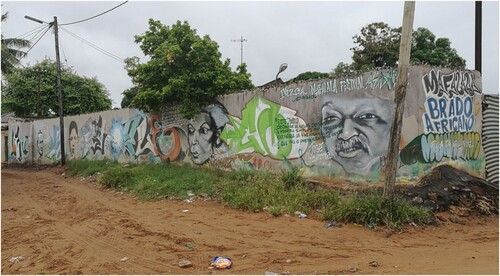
[[137, 136], [433, 147], [457, 83], [351, 84], [448, 115], [286, 92], [19, 146], [379, 80], [317, 89], [316, 153], [265, 128]]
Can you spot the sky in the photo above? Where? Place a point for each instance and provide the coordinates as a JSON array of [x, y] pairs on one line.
[[307, 35]]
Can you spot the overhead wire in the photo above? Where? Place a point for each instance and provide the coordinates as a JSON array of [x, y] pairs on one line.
[[37, 29], [93, 16], [33, 45], [64, 54], [111, 55]]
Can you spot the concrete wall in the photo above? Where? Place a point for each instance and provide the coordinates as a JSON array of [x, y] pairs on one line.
[[331, 127], [20, 142]]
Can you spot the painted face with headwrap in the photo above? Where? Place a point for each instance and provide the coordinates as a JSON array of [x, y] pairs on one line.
[[204, 132]]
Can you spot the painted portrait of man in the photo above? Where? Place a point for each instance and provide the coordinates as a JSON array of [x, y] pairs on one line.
[[355, 128], [204, 132]]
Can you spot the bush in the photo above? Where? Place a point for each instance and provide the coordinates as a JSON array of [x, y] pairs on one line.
[[115, 177], [373, 209], [292, 177]]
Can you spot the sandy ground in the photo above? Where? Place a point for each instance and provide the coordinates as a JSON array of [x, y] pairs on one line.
[[68, 226]]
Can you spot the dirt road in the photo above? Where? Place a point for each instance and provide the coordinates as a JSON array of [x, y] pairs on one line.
[[67, 226]]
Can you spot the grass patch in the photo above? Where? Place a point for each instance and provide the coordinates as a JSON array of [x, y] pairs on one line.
[[373, 209], [277, 193], [87, 167]]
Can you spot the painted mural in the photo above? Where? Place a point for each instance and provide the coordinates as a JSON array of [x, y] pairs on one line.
[[450, 127], [330, 127], [19, 145], [204, 133]]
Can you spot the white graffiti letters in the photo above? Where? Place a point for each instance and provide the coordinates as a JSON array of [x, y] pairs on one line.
[[456, 83]]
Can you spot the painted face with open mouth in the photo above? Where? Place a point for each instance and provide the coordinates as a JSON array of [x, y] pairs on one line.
[[355, 130], [201, 138]]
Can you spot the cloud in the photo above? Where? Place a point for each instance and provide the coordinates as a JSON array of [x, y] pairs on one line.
[[309, 36]]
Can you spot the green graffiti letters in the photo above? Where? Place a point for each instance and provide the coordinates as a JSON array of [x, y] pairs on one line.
[[266, 128]]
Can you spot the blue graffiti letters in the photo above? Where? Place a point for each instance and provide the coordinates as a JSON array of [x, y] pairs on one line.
[[448, 115]]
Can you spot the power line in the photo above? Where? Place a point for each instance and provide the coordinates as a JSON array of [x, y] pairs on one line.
[[48, 28], [37, 29], [93, 16], [113, 56], [64, 54]]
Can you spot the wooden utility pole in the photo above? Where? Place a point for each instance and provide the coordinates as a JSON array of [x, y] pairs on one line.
[[399, 98], [59, 91], [58, 83]]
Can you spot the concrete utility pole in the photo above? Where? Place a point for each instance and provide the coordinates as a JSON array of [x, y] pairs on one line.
[[58, 84], [241, 40], [478, 36], [399, 98]]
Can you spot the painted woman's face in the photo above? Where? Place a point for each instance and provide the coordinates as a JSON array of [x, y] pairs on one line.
[[73, 142], [201, 132]]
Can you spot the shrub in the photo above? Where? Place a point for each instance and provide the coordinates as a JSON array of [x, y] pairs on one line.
[[115, 177]]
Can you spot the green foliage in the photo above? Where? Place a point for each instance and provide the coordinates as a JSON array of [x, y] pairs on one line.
[[292, 177], [427, 49], [343, 69], [310, 76], [31, 91], [115, 177], [11, 53], [152, 181], [252, 191], [256, 191], [377, 45], [87, 167], [128, 97], [374, 209], [182, 67]]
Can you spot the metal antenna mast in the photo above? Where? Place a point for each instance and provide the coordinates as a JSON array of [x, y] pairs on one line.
[[240, 40]]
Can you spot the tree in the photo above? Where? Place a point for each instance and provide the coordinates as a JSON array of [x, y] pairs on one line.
[[128, 97], [31, 91], [310, 76], [10, 50], [182, 67], [342, 69], [378, 46], [242, 78], [427, 49]]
